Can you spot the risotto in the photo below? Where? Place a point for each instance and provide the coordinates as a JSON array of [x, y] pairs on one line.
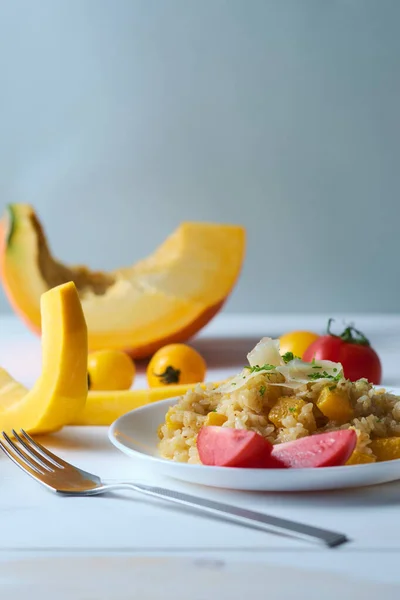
[[283, 399]]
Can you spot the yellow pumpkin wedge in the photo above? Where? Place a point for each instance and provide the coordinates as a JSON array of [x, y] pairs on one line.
[[61, 390], [104, 407], [165, 298]]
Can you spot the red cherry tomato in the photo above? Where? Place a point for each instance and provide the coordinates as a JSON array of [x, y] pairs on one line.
[[352, 350]]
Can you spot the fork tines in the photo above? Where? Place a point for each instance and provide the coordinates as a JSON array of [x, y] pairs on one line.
[[29, 454]]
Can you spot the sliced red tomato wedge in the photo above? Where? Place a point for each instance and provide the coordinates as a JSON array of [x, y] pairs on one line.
[[321, 450], [225, 447]]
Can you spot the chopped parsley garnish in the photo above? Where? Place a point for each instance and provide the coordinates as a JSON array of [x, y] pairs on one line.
[[233, 383], [257, 368], [332, 387], [292, 409], [288, 356], [338, 377], [324, 375], [261, 390], [316, 367]]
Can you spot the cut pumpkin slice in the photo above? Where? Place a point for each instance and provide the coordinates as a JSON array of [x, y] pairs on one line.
[[167, 297], [61, 390], [105, 407]]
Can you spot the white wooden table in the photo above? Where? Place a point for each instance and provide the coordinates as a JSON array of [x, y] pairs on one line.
[[126, 546]]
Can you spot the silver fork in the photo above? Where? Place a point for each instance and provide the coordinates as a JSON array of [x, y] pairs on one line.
[[59, 476]]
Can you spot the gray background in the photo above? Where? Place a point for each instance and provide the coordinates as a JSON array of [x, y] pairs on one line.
[[120, 118]]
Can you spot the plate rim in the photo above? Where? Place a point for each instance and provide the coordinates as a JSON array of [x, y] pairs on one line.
[[216, 469]]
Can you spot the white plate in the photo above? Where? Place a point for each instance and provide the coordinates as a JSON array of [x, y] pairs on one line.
[[135, 434]]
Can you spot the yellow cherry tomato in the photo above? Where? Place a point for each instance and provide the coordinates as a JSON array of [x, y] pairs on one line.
[[110, 370], [176, 363], [297, 342]]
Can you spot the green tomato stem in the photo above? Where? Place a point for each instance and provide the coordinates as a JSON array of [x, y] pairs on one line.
[[350, 335]]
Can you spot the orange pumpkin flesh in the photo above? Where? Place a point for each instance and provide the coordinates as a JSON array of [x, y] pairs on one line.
[[167, 297]]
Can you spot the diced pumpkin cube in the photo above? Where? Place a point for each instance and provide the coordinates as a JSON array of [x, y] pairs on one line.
[[359, 458], [214, 418], [386, 448], [335, 404], [283, 407], [320, 419]]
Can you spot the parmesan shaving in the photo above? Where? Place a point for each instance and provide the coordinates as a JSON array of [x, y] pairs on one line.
[[265, 359], [266, 352]]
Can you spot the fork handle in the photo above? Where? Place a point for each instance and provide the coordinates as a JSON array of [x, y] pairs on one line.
[[241, 515]]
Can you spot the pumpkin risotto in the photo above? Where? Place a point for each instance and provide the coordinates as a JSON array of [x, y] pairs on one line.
[[284, 399]]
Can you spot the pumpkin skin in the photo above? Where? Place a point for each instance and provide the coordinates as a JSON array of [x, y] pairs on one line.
[[60, 392], [165, 298]]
